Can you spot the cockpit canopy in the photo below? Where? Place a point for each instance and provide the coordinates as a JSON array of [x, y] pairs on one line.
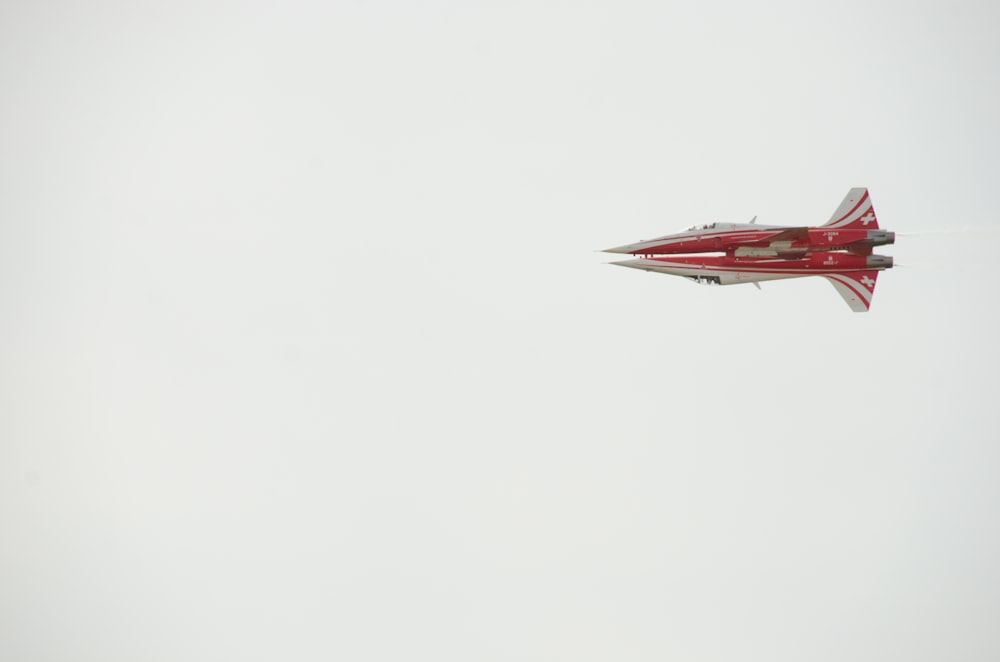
[[708, 226]]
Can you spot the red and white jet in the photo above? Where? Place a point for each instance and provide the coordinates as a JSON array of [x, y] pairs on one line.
[[840, 251]]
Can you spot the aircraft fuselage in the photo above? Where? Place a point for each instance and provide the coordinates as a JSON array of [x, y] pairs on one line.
[[748, 239]]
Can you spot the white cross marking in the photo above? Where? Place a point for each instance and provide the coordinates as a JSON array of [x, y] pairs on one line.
[[869, 283], [868, 218]]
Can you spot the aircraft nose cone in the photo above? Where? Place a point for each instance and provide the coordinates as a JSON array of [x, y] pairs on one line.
[[634, 264], [627, 250]]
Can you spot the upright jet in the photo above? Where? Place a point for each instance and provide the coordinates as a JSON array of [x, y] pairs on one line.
[[733, 253]]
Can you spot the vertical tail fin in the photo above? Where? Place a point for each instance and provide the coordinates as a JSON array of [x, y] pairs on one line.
[[857, 288], [855, 212]]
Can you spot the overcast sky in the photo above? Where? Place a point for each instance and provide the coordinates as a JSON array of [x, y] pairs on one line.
[[306, 353]]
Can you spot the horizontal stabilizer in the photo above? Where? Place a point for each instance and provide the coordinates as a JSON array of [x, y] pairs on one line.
[[790, 234], [857, 288]]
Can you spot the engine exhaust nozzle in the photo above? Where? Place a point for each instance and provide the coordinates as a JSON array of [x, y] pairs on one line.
[[879, 262], [880, 237]]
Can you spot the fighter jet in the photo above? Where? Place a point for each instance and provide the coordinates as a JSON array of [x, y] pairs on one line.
[[733, 253]]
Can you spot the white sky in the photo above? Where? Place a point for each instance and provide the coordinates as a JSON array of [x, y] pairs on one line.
[[305, 352]]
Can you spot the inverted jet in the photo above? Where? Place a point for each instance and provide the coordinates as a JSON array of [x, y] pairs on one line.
[[731, 253]]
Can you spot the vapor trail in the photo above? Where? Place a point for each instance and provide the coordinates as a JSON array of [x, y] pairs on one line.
[[927, 233]]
